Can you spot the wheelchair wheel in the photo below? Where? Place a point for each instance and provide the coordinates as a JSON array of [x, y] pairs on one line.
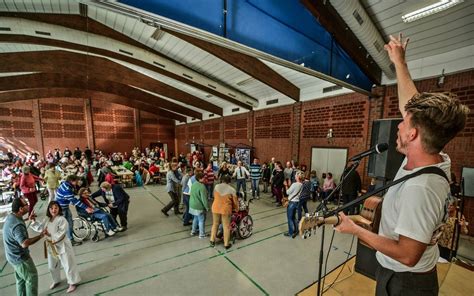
[[81, 229], [245, 227], [95, 236]]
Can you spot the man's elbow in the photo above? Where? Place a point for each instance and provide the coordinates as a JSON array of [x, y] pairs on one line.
[[410, 261]]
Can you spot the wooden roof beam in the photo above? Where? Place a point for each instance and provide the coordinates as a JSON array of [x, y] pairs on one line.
[[45, 80], [96, 68], [43, 93], [86, 24]]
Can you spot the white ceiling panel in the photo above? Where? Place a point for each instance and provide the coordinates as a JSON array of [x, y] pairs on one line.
[[441, 32]]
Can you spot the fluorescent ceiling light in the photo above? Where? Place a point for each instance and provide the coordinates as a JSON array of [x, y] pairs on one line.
[[429, 10]]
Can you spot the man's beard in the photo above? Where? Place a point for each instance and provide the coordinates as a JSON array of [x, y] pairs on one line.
[[401, 145]]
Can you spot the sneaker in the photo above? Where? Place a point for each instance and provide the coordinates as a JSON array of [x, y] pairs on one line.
[[110, 232], [278, 205], [118, 229], [294, 235], [76, 243], [286, 234], [194, 233], [203, 236], [258, 197], [164, 213], [228, 247], [212, 244]]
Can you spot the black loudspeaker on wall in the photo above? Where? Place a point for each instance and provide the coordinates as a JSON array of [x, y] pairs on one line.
[[385, 165]]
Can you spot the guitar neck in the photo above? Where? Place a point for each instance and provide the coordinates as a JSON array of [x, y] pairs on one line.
[[356, 218], [312, 222]]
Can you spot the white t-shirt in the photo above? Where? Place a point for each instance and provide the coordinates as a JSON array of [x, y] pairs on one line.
[[415, 209]]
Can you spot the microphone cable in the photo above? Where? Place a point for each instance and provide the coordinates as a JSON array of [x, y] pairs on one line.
[[325, 289]]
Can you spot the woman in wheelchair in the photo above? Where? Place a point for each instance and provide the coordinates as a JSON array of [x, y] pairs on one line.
[[99, 214]]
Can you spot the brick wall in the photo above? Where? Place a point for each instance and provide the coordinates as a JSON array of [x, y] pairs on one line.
[[273, 126], [155, 129], [42, 125], [63, 123], [17, 127], [346, 115]]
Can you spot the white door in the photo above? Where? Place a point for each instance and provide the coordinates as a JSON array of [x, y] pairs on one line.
[[329, 160]]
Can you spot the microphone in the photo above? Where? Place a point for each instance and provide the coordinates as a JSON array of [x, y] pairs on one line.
[[377, 149]]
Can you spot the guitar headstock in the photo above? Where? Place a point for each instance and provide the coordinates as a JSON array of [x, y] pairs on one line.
[[308, 224]]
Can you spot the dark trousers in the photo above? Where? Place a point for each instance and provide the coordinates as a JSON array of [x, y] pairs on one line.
[[174, 203], [242, 183], [348, 198], [122, 213], [187, 217], [302, 205], [278, 193], [391, 283]]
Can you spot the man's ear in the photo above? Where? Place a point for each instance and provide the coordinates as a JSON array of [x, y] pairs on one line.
[[413, 133]]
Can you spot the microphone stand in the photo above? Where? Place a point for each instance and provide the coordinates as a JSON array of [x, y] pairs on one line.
[[322, 207]]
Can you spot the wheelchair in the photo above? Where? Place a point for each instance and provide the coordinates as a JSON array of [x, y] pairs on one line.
[[241, 223], [86, 227]]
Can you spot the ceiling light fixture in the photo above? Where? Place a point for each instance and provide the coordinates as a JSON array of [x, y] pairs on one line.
[[429, 10]]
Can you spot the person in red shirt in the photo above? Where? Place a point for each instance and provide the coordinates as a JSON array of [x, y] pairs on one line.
[[154, 169], [28, 187], [209, 180]]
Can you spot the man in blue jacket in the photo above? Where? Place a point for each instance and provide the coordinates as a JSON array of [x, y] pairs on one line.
[[65, 197]]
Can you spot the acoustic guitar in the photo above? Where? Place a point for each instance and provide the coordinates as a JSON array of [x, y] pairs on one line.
[[369, 218]]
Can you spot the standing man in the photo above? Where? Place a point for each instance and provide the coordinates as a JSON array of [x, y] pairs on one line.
[[65, 197], [88, 154], [186, 185], [16, 243], [171, 186], [414, 211], [241, 174], [351, 187], [255, 175]]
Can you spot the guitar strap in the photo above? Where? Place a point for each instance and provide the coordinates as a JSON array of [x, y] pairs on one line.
[[428, 170]]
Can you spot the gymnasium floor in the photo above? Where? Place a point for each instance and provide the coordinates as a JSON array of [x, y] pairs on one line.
[[157, 256]]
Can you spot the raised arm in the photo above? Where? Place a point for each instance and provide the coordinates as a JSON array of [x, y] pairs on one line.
[[396, 49]]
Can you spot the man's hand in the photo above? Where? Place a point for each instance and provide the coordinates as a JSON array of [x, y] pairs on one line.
[[396, 49], [90, 210], [32, 217], [346, 225]]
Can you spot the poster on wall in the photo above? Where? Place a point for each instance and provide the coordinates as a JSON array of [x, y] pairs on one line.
[[224, 154], [243, 155], [193, 147]]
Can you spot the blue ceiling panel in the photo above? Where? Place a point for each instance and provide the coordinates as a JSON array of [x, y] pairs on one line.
[[282, 28]]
